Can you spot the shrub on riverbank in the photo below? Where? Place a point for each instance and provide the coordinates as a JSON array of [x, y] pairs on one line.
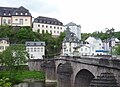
[[20, 76]]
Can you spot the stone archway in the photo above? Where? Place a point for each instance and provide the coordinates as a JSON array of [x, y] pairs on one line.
[[83, 78], [64, 72]]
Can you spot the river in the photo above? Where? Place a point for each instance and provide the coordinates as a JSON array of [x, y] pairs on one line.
[[35, 84]]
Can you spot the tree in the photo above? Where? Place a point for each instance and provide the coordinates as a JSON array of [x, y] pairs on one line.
[[117, 50], [13, 57]]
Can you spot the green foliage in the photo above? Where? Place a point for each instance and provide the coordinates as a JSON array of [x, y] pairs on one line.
[[25, 75], [117, 50], [4, 82], [13, 57], [23, 34]]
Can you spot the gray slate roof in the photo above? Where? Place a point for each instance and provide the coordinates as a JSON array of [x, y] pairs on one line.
[[7, 39], [71, 24], [70, 37], [9, 11], [34, 43], [47, 20]]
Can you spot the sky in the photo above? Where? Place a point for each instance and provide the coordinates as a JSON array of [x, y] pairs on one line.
[[92, 15]]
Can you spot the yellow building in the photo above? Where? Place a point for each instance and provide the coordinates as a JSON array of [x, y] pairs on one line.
[[4, 43], [15, 16]]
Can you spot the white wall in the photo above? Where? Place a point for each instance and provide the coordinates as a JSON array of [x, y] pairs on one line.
[[27, 21], [7, 19], [54, 29], [40, 51], [68, 48]]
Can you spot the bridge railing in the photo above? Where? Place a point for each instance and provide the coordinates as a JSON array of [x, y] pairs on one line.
[[111, 62]]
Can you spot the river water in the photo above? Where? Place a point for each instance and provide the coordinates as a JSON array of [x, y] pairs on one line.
[[35, 84]]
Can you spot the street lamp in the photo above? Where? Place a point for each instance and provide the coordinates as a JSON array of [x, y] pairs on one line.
[[110, 32]]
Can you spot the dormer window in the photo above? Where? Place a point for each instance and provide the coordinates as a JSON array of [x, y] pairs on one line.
[[16, 13], [4, 13], [9, 14], [21, 13], [26, 14]]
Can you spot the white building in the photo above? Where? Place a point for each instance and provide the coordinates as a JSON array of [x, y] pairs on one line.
[[110, 43], [86, 49], [15, 16], [45, 24], [4, 43], [97, 47], [35, 49], [70, 43], [76, 29]]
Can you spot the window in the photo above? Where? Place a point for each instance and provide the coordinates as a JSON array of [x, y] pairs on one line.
[[40, 21], [85, 49], [50, 26], [5, 42], [16, 19], [25, 13], [57, 27], [32, 56], [44, 21], [61, 28], [9, 14], [28, 49], [31, 49], [9, 22], [38, 49], [57, 31], [54, 31], [48, 21], [4, 21], [21, 21], [54, 27], [55, 22], [34, 49], [81, 49], [4, 13], [41, 49], [38, 25], [46, 26], [42, 25], [25, 19], [16, 13], [21, 13]]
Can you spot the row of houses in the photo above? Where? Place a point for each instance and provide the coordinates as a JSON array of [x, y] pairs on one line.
[[35, 49], [92, 46], [72, 44], [21, 16]]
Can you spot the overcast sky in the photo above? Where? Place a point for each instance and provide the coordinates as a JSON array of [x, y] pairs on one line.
[[92, 15]]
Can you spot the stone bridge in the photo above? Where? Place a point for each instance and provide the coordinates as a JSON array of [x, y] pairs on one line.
[[81, 71]]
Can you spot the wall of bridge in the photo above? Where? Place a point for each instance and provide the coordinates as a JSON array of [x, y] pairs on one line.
[[90, 66]]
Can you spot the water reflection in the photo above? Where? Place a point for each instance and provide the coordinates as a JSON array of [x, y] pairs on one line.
[[35, 84]]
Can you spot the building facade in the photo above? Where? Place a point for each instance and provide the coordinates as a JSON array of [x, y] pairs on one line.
[[35, 49], [4, 43], [97, 47], [15, 16], [76, 29], [48, 25], [70, 43]]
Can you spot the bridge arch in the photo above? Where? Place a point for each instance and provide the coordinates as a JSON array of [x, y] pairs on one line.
[[83, 78]]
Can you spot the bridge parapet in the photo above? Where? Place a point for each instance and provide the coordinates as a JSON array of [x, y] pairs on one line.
[[109, 62]]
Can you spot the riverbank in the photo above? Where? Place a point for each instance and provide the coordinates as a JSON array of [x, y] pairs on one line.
[[22, 75]]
